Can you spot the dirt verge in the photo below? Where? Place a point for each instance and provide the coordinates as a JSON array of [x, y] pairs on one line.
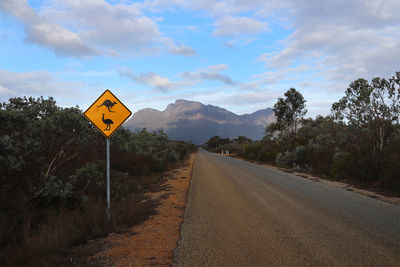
[[153, 242]]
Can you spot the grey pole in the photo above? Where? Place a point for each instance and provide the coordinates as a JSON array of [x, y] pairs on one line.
[[108, 179]]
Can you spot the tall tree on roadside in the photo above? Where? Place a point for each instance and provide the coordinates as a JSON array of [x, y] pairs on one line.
[[374, 105], [243, 140], [216, 141], [289, 111], [371, 110]]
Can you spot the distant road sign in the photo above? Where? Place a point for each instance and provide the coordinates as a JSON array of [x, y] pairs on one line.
[[107, 113]]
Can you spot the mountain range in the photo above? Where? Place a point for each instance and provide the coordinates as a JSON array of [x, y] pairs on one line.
[[189, 120]]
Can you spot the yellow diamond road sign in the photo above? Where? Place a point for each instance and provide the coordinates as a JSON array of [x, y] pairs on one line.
[[107, 113]]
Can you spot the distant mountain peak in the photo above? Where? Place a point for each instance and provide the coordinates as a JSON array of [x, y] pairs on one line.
[[191, 120]]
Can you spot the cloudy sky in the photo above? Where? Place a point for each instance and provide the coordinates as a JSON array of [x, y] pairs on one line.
[[238, 54]]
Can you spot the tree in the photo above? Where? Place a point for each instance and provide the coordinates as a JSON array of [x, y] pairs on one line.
[[371, 106], [289, 111], [216, 141], [243, 140], [371, 112]]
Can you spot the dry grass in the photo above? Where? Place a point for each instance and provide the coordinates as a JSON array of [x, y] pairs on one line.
[[62, 229], [152, 242]]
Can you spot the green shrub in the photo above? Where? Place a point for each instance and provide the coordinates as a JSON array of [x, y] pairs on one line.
[[343, 164], [53, 177], [286, 159], [90, 179], [53, 192], [349, 167], [390, 175]]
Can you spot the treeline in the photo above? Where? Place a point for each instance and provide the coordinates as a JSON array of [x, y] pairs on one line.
[[53, 185], [359, 142]]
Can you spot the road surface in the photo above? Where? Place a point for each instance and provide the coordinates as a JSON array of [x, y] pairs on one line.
[[242, 214]]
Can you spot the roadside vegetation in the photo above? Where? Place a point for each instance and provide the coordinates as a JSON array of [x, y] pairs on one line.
[[53, 184], [359, 142]]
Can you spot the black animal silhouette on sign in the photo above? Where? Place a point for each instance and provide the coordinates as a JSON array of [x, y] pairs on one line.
[[108, 122], [108, 104]]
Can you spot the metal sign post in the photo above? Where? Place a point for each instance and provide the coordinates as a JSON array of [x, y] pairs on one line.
[[108, 180], [107, 111]]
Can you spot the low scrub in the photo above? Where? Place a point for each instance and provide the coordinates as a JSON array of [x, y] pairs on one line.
[[53, 185]]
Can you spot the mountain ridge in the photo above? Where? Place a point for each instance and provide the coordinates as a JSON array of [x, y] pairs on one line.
[[191, 120]]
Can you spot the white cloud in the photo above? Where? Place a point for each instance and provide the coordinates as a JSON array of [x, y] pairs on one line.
[[154, 80], [157, 81], [19, 9], [275, 77], [59, 39], [340, 41], [187, 79], [4, 91], [235, 26], [118, 27], [35, 83], [228, 15], [178, 49], [43, 32], [250, 86], [355, 13], [210, 73], [85, 28]]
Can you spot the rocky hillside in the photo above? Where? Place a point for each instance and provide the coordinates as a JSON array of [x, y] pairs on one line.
[[189, 120]]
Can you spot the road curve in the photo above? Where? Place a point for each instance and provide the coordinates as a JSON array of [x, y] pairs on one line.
[[242, 214]]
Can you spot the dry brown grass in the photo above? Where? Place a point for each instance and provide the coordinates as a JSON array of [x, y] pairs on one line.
[[151, 243]]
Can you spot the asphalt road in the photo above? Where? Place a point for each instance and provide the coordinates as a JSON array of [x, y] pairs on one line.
[[243, 214]]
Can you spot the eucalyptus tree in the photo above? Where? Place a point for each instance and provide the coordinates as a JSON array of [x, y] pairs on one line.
[[289, 112], [373, 107], [371, 112]]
